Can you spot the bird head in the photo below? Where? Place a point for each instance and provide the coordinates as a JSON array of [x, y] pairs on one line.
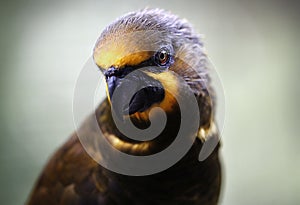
[[153, 53]]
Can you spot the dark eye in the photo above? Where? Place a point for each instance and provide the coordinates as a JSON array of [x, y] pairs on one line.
[[162, 57]]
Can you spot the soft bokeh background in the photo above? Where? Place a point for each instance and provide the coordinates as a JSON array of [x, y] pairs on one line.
[[253, 44]]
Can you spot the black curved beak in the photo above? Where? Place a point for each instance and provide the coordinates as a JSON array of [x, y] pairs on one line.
[[136, 92]]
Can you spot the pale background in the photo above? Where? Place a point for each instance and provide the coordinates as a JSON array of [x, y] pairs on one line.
[[253, 44]]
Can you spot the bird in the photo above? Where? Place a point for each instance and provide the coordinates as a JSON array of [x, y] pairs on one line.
[[163, 53]]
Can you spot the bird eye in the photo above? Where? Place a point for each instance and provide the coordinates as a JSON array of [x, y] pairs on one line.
[[162, 57]]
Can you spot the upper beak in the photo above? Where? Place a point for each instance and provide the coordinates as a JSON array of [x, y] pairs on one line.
[[112, 80], [112, 83]]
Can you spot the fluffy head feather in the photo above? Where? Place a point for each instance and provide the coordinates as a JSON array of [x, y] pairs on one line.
[[135, 37]]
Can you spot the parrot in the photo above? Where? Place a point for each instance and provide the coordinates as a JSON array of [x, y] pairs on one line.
[[161, 53]]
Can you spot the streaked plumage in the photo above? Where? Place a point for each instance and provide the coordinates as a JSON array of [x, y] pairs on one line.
[[73, 177]]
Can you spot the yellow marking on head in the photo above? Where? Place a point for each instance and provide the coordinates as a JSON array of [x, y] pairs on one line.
[[121, 49], [116, 58]]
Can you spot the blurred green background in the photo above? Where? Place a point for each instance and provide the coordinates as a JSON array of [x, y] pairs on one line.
[[253, 44]]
